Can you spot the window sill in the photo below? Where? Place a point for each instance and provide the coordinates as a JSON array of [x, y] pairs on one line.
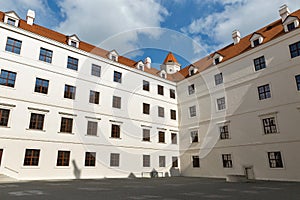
[[271, 133], [30, 167], [91, 135], [5, 127], [36, 130], [162, 143], [115, 138], [66, 133], [146, 141]]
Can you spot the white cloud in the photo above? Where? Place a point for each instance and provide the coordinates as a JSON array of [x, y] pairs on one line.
[[244, 15], [114, 23]]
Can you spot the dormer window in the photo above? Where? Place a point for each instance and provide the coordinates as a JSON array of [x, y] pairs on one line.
[[140, 66], [11, 21], [11, 18], [163, 74], [73, 41], [192, 70], [256, 39], [290, 23], [217, 58], [113, 55]]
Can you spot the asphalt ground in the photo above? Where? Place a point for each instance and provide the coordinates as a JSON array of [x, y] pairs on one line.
[[156, 188]]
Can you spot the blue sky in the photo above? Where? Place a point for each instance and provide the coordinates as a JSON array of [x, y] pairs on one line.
[[190, 29]]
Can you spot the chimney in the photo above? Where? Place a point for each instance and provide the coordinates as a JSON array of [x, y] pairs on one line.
[[236, 36], [30, 17], [284, 12], [147, 62]]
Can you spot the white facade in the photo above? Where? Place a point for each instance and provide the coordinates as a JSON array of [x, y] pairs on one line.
[[223, 97]]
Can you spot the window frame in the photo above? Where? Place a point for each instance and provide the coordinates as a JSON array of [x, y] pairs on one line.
[[264, 92], [31, 157], [195, 161], [161, 137], [63, 158], [69, 92], [259, 63], [191, 89], [269, 123], [224, 132], [117, 77], [279, 164], [192, 111], [294, 49], [194, 134], [161, 161], [227, 160], [161, 111], [66, 125], [146, 108], [6, 117], [94, 97], [174, 139], [173, 114], [174, 161], [72, 63], [160, 90], [219, 79], [221, 104], [115, 131], [96, 70], [146, 135], [114, 160], [9, 80], [45, 55], [37, 121], [42, 87], [14, 44], [146, 85], [297, 78], [90, 159], [117, 102], [172, 94], [146, 160], [92, 128]]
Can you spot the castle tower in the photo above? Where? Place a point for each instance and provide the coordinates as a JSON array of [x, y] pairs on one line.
[[170, 64]]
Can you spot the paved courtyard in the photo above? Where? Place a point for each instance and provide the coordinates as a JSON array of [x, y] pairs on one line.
[[141, 189]]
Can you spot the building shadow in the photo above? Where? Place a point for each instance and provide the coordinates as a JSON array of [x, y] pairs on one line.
[[76, 171], [174, 172], [131, 175]]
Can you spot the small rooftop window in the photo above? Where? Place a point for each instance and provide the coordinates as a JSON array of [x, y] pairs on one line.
[[73, 41], [217, 58], [11, 18], [256, 39]]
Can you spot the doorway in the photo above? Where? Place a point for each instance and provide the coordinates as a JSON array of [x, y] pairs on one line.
[[249, 172]]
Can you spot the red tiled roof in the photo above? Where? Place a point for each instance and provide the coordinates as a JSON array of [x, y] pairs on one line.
[[170, 58], [269, 33]]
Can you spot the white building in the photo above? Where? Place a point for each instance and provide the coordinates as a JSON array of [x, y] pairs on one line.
[[71, 110]]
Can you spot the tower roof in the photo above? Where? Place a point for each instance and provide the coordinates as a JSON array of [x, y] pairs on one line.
[[170, 58]]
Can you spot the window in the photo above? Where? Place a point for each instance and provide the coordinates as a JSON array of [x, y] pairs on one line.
[[96, 70], [146, 160], [70, 92], [227, 162], [146, 85], [173, 114], [256, 42], [92, 128], [117, 77], [160, 89], [115, 131], [291, 26], [217, 61], [63, 158], [41, 86], [31, 157], [66, 125], [269, 125], [13, 45], [264, 92], [4, 116], [196, 161], [1, 153], [94, 97], [8, 78], [114, 58], [259, 63], [90, 159], [161, 137], [162, 161], [224, 133], [36, 121], [174, 138], [114, 160], [116, 102], [295, 49], [172, 94], [191, 89], [73, 44], [194, 136], [161, 111], [221, 103], [192, 110], [219, 79], [46, 55], [72, 63], [174, 161], [146, 108], [146, 135], [11, 21], [298, 82], [275, 160]]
